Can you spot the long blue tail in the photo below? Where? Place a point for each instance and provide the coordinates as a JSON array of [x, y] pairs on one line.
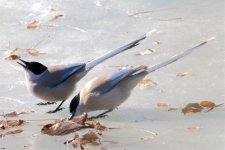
[[116, 51], [176, 57]]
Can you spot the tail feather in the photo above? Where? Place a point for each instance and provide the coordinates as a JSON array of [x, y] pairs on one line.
[[177, 57], [114, 52]]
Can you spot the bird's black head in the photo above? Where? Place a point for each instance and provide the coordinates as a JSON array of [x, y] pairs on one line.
[[73, 105], [35, 67]]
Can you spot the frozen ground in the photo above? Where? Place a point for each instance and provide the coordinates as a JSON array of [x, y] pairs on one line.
[[90, 28]]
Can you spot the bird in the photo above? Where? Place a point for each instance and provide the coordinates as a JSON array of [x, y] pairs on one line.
[[57, 83], [107, 92]]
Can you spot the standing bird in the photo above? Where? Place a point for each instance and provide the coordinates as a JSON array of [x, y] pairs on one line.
[[109, 91], [56, 83]]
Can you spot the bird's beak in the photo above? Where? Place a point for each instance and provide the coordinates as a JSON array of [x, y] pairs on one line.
[[23, 63]]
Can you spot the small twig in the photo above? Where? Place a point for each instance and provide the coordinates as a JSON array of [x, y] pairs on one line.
[[149, 11], [170, 19]]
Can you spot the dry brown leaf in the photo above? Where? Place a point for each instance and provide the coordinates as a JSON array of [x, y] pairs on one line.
[[192, 108], [88, 138], [10, 123], [65, 127], [184, 74], [61, 128], [34, 25], [13, 132], [208, 104], [162, 105], [192, 129], [147, 52], [204, 105], [144, 83], [56, 17], [96, 125], [12, 57], [15, 114]]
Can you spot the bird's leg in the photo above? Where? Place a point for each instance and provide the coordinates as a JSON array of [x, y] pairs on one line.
[[102, 115], [45, 103], [57, 108]]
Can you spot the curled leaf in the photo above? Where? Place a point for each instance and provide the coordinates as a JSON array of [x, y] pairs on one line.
[[13, 132], [184, 74], [162, 105], [208, 104], [34, 25], [144, 83], [96, 125], [88, 138], [65, 127], [204, 105], [192, 108], [10, 123]]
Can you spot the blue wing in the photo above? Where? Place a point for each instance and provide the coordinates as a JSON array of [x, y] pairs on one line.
[[67, 72], [114, 80]]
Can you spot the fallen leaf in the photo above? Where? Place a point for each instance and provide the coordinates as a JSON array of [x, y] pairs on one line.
[[13, 132], [61, 128], [184, 74], [12, 57], [144, 83], [56, 17], [34, 25], [96, 125], [147, 52], [204, 105], [15, 114], [65, 127], [162, 105], [208, 104], [192, 129], [192, 108], [10, 123], [88, 138]]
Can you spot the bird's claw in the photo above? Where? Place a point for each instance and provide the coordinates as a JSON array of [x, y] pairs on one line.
[[54, 111], [45, 103]]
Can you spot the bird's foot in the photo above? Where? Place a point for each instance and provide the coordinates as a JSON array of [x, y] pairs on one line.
[[56, 110], [45, 103]]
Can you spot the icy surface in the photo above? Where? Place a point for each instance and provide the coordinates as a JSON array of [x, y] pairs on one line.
[[91, 28]]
